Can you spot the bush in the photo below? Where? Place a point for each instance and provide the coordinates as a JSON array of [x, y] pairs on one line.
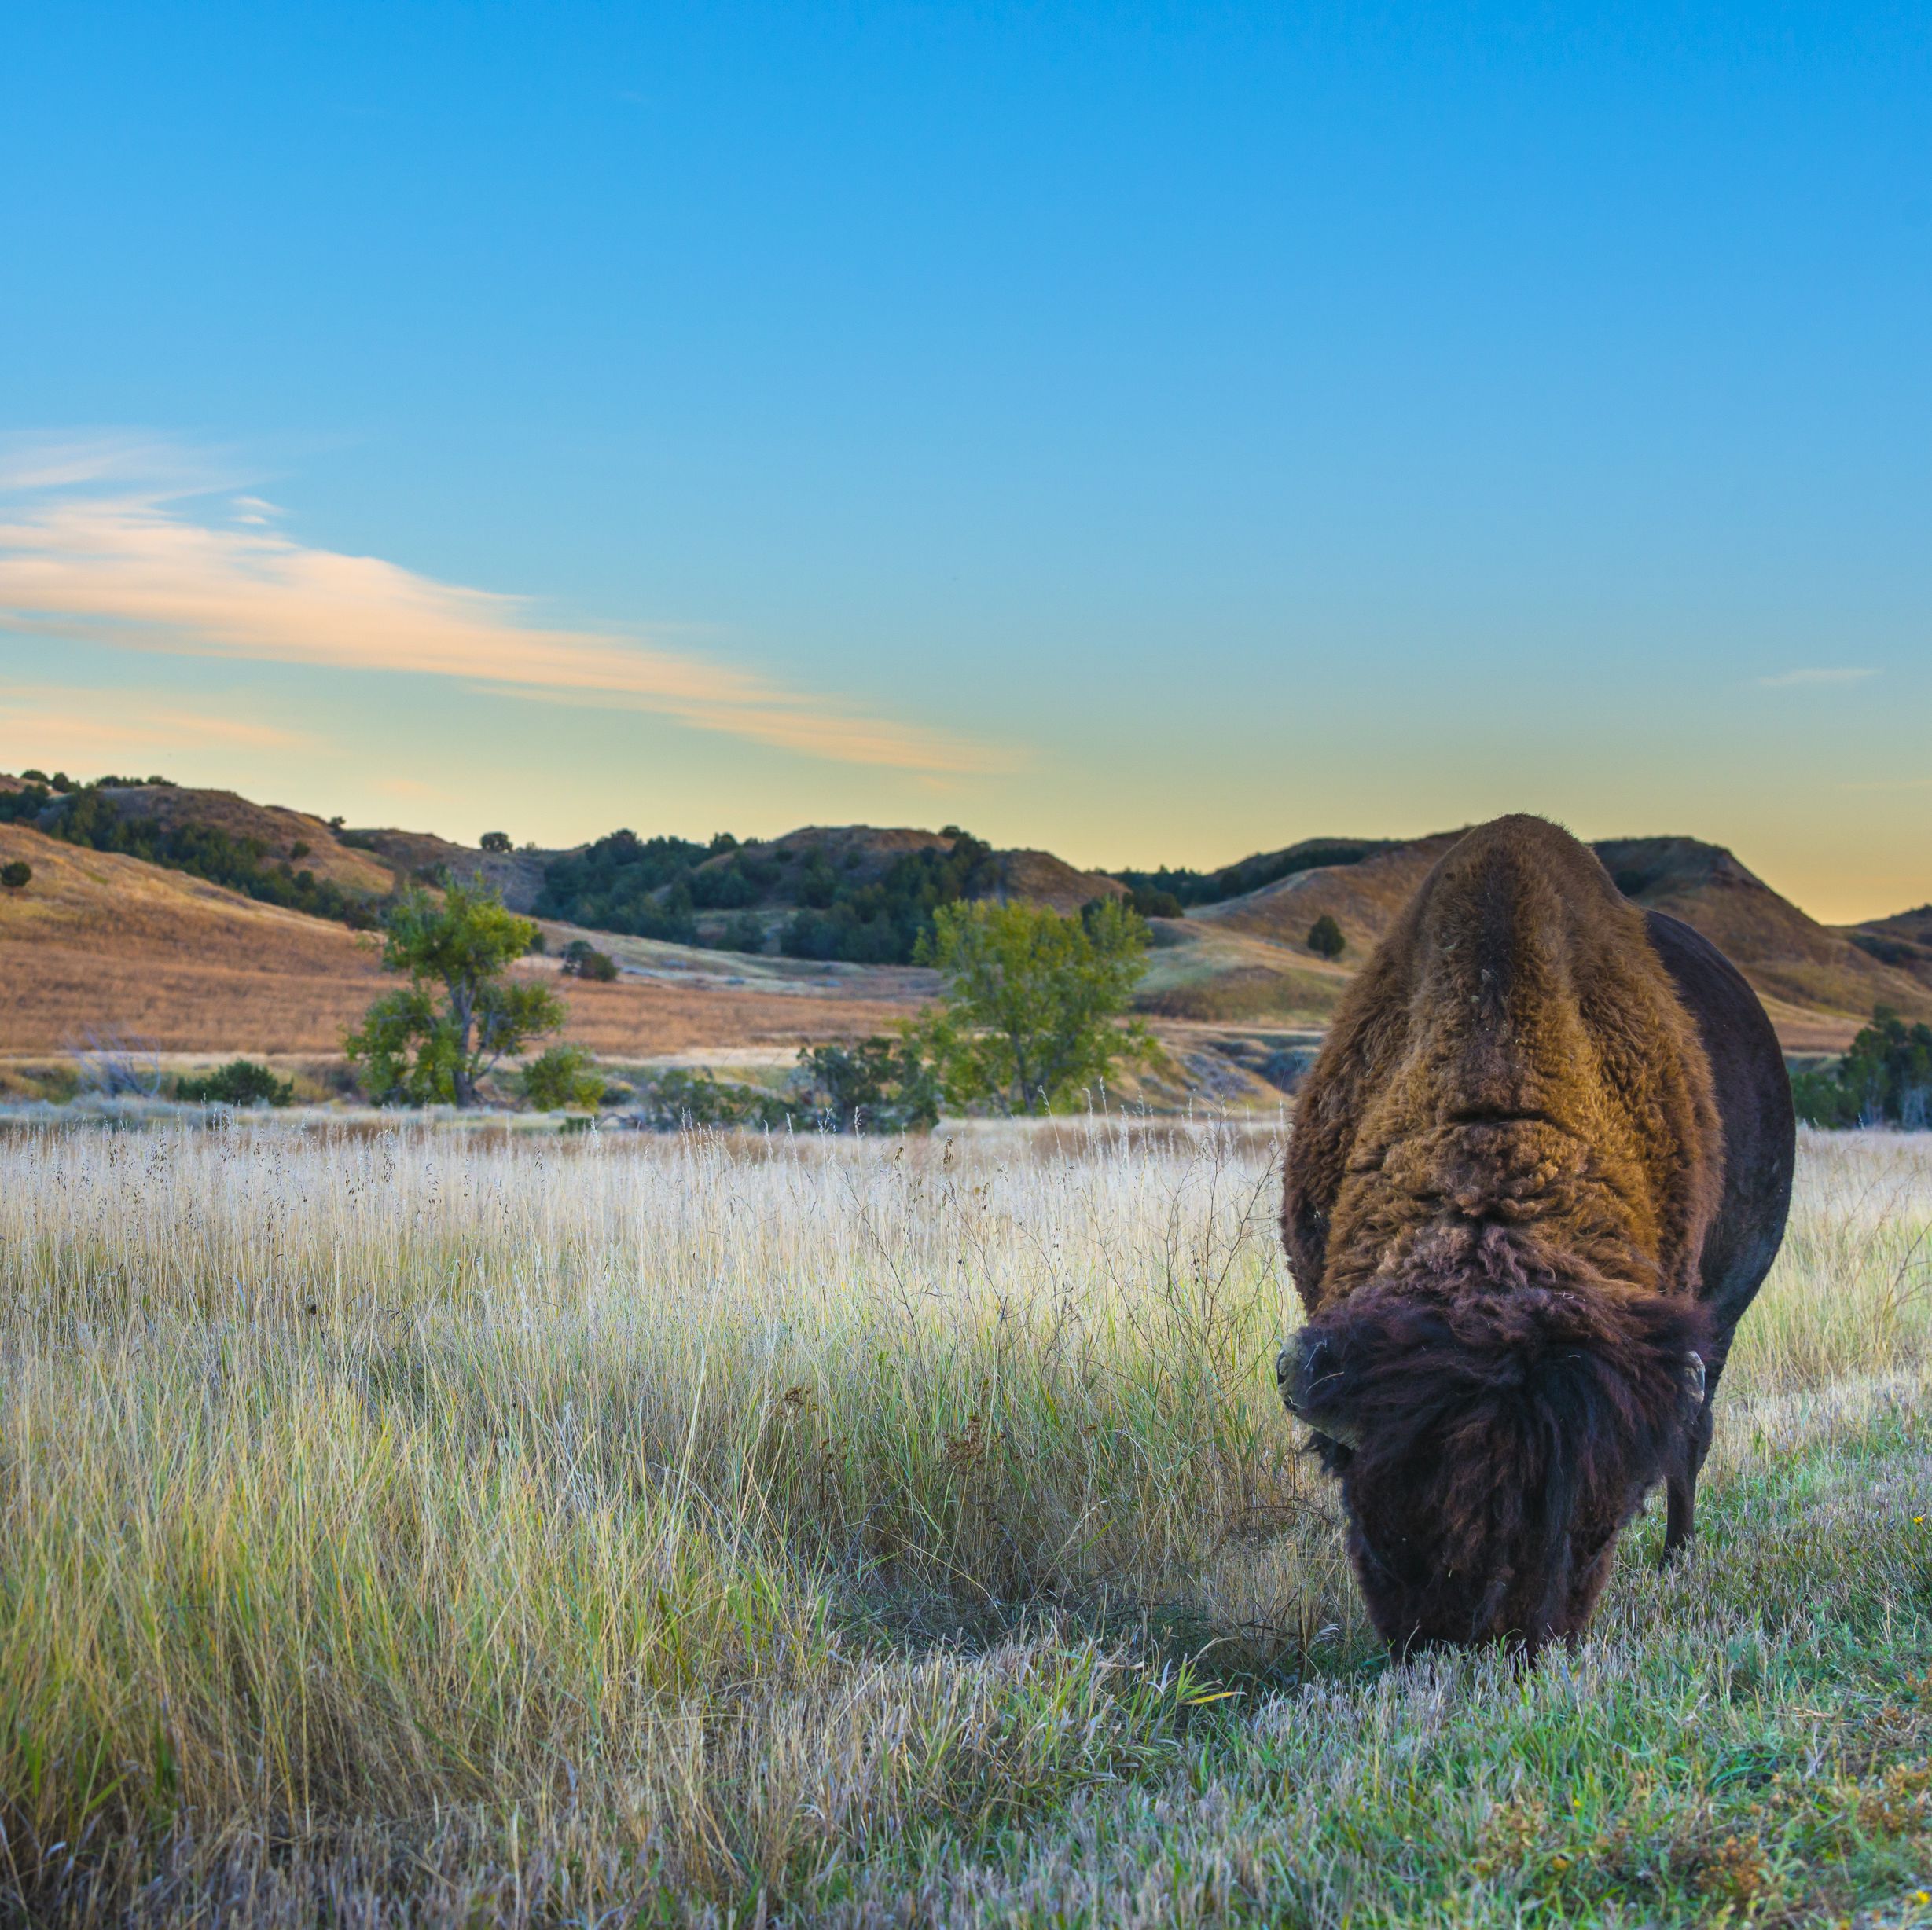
[[1885, 1079], [1151, 902], [678, 1099], [582, 960], [879, 1085], [495, 841], [1325, 939], [743, 933], [16, 876], [563, 1076], [241, 1082]]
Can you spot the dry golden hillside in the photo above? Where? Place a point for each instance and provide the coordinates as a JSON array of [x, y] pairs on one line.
[[304, 841], [100, 948], [1819, 984]]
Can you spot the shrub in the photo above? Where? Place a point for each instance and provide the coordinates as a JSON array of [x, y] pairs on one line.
[[1885, 1079], [300, 849], [677, 1099], [16, 876], [563, 1076], [495, 841], [879, 1085], [241, 1082], [1151, 902], [582, 960], [1325, 939], [743, 933]]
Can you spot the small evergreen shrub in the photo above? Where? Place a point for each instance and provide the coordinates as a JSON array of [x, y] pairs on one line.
[[1325, 939], [241, 1082], [582, 960], [17, 876]]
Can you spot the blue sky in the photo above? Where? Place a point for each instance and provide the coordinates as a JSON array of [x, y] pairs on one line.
[[1155, 434]]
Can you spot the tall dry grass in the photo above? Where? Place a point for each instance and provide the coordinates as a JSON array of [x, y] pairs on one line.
[[551, 1528]]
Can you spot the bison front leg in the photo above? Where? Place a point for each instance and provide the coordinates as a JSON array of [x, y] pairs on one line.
[[1681, 1522]]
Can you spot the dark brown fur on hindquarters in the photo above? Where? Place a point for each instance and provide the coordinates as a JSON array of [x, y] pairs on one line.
[[1537, 1174]]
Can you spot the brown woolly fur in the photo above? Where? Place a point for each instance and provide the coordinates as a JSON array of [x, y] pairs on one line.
[[1506, 1165]]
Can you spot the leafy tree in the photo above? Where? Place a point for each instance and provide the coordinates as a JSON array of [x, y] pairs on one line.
[[495, 841], [17, 876], [1028, 1020], [1885, 1078], [1324, 938], [241, 1082], [433, 1039], [881, 1084], [563, 1076]]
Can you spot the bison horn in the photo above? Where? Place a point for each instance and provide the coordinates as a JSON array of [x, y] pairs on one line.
[[1694, 1379], [1309, 1379]]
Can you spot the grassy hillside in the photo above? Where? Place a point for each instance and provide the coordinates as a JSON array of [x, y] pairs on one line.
[[104, 948], [1902, 941], [850, 892], [399, 1529], [865, 895], [1788, 957], [1819, 984]]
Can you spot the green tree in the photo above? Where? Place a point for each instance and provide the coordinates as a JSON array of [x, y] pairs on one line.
[[1029, 1018], [497, 841], [431, 1040], [17, 876], [1324, 938], [1885, 1079]]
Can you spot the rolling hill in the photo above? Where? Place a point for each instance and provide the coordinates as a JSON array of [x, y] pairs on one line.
[[1902, 941], [1818, 983], [106, 943], [104, 950]]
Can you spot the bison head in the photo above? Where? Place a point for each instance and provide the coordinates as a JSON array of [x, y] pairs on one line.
[[1491, 1442]]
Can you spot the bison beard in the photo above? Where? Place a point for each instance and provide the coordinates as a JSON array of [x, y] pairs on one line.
[[1536, 1174], [1500, 1434]]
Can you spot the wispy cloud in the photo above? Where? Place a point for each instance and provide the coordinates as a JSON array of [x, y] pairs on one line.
[[49, 724], [1796, 679], [113, 539]]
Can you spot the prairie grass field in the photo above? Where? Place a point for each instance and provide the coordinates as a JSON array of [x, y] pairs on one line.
[[400, 1526]]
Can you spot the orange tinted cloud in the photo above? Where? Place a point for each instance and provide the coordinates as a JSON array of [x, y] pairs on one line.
[[82, 551]]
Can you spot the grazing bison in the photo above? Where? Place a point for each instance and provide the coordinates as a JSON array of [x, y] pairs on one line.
[[1537, 1173]]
